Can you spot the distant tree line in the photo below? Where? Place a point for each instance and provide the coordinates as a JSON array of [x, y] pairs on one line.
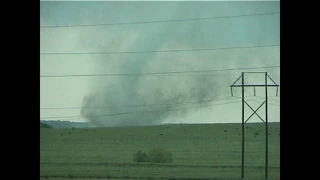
[[44, 125]]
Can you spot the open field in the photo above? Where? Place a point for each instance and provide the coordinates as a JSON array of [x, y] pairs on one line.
[[207, 151]]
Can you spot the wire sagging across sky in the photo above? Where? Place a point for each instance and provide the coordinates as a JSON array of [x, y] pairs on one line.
[[145, 111], [165, 108], [154, 51], [158, 73], [161, 21], [146, 105]]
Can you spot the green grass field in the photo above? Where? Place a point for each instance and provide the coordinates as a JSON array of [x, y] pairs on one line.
[[211, 151]]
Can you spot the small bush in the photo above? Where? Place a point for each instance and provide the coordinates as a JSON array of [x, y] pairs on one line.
[[159, 155], [140, 156]]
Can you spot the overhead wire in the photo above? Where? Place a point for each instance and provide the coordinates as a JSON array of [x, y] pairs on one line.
[[158, 21], [144, 111], [156, 73], [157, 51]]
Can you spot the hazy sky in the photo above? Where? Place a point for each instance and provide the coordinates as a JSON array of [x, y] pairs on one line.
[[106, 91]]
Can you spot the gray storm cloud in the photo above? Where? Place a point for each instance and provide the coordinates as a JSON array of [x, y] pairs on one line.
[[120, 100]]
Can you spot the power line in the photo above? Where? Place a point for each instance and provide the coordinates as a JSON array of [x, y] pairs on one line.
[[260, 102], [258, 97], [274, 99], [158, 73], [160, 21], [252, 97], [159, 51], [79, 117], [170, 104], [270, 98]]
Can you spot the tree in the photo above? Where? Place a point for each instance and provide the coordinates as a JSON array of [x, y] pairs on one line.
[[159, 155], [140, 156]]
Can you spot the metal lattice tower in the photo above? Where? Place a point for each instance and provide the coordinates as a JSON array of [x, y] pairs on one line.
[[266, 85]]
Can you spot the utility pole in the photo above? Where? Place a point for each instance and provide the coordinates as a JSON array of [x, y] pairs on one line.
[[243, 85]]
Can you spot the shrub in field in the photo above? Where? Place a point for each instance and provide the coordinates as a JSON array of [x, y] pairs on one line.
[[159, 155], [140, 156]]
